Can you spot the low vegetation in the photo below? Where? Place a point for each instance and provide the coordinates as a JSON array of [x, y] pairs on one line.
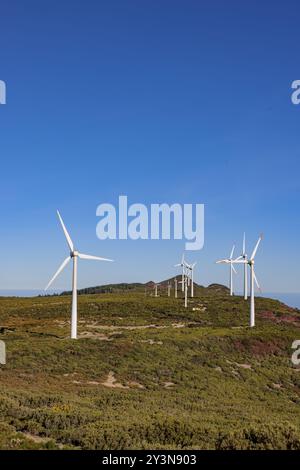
[[148, 374]]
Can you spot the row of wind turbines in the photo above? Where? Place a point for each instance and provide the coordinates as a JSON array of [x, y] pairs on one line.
[[187, 275], [186, 282], [187, 278]]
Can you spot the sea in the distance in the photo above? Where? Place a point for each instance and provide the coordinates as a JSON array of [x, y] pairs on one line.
[[26, 293], [291, 299]]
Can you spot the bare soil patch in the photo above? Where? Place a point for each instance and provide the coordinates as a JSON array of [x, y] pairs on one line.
[[111, 382]]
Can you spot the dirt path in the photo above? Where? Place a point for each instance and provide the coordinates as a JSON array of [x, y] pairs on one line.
[[138, 327]]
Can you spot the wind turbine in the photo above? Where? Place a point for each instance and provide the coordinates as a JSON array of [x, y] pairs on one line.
[[74, 255], [182, 264], [190, 268], [232, 269], [253, 279]]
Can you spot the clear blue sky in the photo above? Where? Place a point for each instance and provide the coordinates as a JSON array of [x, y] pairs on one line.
[[165, 101]]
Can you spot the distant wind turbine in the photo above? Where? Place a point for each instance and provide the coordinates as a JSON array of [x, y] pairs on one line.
[[190, 273], [232, 269], [183, 266], [74, 255]]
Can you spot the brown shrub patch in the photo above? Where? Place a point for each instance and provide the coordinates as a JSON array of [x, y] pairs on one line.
[[256, 347], [290, 319]]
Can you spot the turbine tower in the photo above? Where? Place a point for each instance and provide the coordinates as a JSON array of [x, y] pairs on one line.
[[175, 283], [155, 289], [190, 269], [192, 279], [244, 256], [74, 255], [253, 279], [232, 270], [169, 289], [185, 289]]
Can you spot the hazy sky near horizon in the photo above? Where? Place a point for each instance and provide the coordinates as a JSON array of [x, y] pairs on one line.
[[163, 101]]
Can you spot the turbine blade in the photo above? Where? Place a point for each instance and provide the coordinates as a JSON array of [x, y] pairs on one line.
[[222, 261], [244, 244], [256, 246], [232, 251], [238, 258], [62, 266], [176, 265], [256, 281], [83, 256], [233, 268], [69, 241]]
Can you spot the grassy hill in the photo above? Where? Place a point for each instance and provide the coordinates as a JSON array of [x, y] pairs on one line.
[[147, 288], [147, 373]]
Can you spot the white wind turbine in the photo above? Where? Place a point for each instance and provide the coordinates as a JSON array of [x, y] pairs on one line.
[[183, 265], [253, 279], [74, 255], [229, 261], [190, 273]]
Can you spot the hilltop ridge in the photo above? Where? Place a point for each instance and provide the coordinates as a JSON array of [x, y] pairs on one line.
[[147, 287]]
